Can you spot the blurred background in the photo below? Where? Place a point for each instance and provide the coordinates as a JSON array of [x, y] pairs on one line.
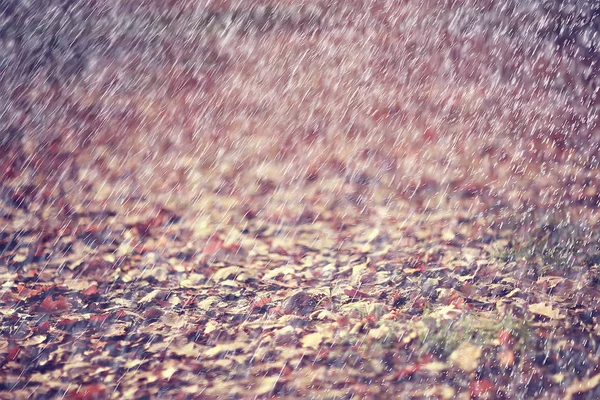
[[345, 107]]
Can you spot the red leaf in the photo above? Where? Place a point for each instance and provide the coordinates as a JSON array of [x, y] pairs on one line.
[[50, 305], [99, 318], [420, 303], [91, 392], [213, 245], [355, 293], [44, 326], [260, 303], [47, 304], [162, 303], [92, 290], [505, 338], [480, 388], [61, 304], [276, 310], [188, 302], [66, 321], [13, 353], [343, 321], [371, 319], [411, 369], [26, 292]]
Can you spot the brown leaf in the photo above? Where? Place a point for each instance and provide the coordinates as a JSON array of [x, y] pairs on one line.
[[356, 293], [92, 290], [153, 312], [260, 303], [49, 305], [299, 302]]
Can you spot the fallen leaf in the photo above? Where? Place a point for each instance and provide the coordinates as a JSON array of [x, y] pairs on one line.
[[411, 369], [153, 312], [479, 388], [550, 282], [207, 303], [383, 332], [32, 341], [225, 348], [13, 353], [355, 293], [505, 338], [49, 305], [285, 270], [168, 372], [91, 392], [150, 296], [579, 387], [377, 310], [213, 245], [466, 357], [299, 302], [357, 272], [448, 312], [66, 321], [226, 273], [99, 318], [435, 367], [90, 291], [43, 327], [312, 340], [448, 235], [285, 335], [265, 386], [506, 358], [260, 303], [545, 310]]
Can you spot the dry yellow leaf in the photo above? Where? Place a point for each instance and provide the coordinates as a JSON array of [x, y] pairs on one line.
[[466, 357], [383, 332], [210, 326], [150, 296], [208, 302], [226, 273], [33, 340], [435, 367], [168, 372], [448, 235], [224, 348], [545, 310], [582, 386], [312, 340], [265, 386], [19, 257]]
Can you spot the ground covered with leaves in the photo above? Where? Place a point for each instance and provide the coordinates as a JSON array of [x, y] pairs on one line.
[[313, 199]]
